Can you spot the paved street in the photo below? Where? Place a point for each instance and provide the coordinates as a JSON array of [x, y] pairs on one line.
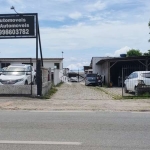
[[74, 130]]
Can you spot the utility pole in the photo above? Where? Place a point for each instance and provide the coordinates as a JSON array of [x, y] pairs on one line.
[[62, 60], [78, 74]]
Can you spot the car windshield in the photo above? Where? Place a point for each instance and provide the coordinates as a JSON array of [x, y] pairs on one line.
[[145, 75], [91, 75], [15, 71]]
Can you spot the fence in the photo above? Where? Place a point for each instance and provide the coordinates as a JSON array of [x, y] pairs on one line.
[[76, 76]]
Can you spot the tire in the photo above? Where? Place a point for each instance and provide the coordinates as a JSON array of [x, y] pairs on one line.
[[26, 83], [34, 81], [125, 89], [136, 91]]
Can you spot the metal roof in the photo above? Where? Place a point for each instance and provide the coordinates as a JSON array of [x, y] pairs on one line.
[[114, 59]]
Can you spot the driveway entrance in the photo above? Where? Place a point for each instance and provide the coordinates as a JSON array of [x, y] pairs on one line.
[[78, 91]]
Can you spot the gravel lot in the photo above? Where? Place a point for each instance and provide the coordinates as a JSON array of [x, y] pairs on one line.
[[78, 97], [78, 91]]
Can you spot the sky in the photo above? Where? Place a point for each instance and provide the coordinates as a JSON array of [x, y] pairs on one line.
[[81, 29]]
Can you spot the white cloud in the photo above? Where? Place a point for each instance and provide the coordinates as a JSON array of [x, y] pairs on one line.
[[77, 66], [99, 35], [100, 29], [96, 6], [75, 15], [83, 37], [95, 18], [117, 53]]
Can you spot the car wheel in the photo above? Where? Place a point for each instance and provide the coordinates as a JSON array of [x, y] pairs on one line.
[[136, 91], [125, 89], [26, 83], [34, 81]]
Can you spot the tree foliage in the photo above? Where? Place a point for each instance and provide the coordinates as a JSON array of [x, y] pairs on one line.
[[147, 54], [134, 52]]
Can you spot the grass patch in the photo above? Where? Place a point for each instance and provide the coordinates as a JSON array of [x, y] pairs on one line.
[[52, 91], [102, 90], [147, 94], [141, 96], [114, 96], [135, 97], [120, 97], [58, 85]]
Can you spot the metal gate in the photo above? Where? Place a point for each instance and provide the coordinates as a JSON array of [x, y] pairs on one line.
[[76, 76]]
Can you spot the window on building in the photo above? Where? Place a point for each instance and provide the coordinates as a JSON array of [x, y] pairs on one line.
[[57, 65], [4, 65]]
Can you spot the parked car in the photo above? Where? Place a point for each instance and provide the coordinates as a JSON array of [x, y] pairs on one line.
[[1, 70], [137, 82], [91, 79], [73, 79], [18, 75]]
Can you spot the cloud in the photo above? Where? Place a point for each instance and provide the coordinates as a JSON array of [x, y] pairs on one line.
[[99, 27], [77, 66], [112, 34], [75, 15], [95, 18], [96, 6], [117, 53]]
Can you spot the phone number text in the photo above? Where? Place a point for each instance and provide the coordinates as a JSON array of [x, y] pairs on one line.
[[14, 32]]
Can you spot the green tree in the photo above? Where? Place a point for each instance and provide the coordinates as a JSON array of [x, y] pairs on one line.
[[147, 53], [134, 52]]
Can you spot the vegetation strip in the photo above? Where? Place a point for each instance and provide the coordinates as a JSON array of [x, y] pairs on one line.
[[52, 91]]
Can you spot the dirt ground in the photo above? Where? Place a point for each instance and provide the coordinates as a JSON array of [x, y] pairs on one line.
[[78, 97]]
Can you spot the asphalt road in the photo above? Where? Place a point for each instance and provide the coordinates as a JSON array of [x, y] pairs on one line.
[[24, 130]]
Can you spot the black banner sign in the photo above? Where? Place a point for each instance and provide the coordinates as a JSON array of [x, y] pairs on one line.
[[17, 26]]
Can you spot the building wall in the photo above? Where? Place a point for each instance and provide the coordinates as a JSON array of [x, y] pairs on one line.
[[101, 69], [94, 66], [24, 89], [104, 72], [50, 64], [46, 63], [57, 76]]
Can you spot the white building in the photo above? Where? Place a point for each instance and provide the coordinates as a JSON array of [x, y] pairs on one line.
[[96, 68], [56, 65], [52, 63]]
